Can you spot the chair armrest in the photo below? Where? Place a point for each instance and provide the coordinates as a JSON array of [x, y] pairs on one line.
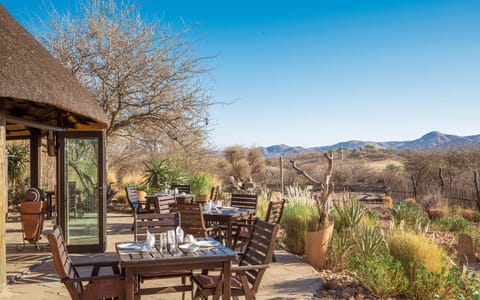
[[240, 269], [92, 278]]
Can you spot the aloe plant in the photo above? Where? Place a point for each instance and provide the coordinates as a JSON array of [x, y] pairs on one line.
[[350, 211]]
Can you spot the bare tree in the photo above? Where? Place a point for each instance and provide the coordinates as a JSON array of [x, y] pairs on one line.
[[146, 78]]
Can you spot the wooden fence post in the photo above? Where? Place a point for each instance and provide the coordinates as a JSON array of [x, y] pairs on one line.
[[414, 185], [281, 175], [442, 181], [475, 181]]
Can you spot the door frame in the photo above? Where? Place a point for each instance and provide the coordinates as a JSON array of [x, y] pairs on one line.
[[62, 189]]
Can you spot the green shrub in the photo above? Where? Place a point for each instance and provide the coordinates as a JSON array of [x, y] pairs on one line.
[[455, 224], [201, 183], [381, 274], [408, 213], [295, 222], [415, 251], [446, 284], [340, 251]]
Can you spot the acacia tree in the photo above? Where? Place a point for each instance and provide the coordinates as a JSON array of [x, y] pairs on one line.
[[243, 163], [146, 78]]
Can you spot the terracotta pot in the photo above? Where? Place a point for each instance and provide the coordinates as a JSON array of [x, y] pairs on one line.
[[316, 246], [201, 198], [141, 195]]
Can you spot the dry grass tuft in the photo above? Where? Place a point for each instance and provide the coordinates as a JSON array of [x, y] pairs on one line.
[[469, 214], [437, 213], [132, 178], [387, 202], [415, 250], [410, 200]]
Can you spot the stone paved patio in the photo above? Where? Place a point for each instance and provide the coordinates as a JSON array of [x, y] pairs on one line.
[[32, 274]]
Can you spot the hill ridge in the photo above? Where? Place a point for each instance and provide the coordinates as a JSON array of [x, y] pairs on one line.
[[433, 140]]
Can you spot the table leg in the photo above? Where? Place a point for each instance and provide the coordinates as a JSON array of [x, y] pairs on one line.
[[129, 285], [228, 238], [227, 276]]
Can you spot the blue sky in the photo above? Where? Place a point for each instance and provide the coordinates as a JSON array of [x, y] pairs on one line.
[[314, 73]]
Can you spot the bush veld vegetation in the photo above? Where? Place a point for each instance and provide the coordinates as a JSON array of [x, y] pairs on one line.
[[455, 224], [414, 251], [381, 274]]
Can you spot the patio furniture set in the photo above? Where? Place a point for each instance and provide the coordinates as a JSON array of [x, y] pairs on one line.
[[204, 265]]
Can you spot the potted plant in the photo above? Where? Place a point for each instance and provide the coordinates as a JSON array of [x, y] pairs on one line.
[[141, 191], [320, 231], [201, 184]]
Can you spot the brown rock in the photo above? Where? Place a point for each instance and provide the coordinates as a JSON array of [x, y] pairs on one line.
[[331, 284]]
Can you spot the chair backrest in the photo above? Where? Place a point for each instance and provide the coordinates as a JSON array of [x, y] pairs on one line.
[[275, 211], [132, 197], [192, 221], [63, 264], [155, 224], [182, 188], [259, 250], [32, 217], [214, 193], [244, 200], [162, 203]]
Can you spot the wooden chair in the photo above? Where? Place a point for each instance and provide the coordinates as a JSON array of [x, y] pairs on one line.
[[244, 200], [251, 267], [162, 204], [135, 203], [182, 188], [274, 215], [94, 286], [192, 219], [214, 193], [32, 217], [157, 224]]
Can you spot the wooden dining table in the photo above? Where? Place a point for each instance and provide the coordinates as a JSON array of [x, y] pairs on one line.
[[228, 217], [135, 262]]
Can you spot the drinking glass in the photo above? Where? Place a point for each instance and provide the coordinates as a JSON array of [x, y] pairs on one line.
[[172, 245], [163, 243]]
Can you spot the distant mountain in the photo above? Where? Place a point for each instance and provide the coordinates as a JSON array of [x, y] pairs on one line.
[[431, 141]]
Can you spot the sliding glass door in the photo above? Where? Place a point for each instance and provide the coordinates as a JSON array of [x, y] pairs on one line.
[[81, 177]]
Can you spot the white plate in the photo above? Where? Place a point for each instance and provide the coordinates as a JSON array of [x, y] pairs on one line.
[[189, 247], [207, 243], [130, 246]]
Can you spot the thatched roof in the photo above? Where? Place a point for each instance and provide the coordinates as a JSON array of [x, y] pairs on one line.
[[36, 87]]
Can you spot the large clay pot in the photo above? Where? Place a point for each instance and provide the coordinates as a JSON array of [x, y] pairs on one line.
[[316, 246]]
